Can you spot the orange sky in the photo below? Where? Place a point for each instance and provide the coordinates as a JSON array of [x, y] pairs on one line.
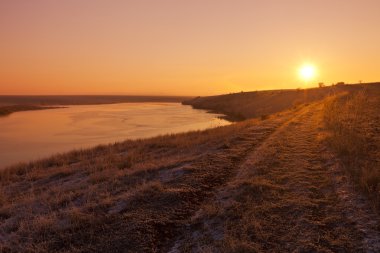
[[178, 47]]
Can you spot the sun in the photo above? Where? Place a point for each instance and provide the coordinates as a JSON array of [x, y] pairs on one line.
[[307, 72]]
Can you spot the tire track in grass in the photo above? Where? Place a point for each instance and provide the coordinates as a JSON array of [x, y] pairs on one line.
[[283, 199], [165, 213]]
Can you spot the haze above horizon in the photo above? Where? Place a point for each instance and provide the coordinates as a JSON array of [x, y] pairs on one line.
[[190, 48]]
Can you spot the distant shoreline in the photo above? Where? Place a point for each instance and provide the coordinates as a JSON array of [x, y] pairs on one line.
[[16, 103], [56, 100], [8, 110]]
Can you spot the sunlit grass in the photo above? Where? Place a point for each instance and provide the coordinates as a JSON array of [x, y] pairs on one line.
[[351, 118]]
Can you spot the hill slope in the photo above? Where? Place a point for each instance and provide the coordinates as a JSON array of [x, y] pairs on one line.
[[245, 105]]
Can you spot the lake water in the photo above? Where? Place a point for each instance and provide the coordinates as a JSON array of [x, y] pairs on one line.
[[32, 135]]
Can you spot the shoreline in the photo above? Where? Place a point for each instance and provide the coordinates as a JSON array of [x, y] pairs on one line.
[[9, 109], [53, 100], [73, 127]]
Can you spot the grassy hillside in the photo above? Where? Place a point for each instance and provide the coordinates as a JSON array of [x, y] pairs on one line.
[[245, 105], [272, 184]]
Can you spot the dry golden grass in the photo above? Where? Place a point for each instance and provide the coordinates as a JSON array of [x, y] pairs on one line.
[[76, 202], [353, 119], [282, 200], [245, 105]]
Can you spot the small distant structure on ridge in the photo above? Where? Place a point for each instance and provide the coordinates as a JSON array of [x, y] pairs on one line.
[[321, 85]]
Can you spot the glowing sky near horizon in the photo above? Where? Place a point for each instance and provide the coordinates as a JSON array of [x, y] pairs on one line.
[[174, 47]]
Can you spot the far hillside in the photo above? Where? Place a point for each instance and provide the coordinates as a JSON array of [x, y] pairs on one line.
[[84, 99], [245, 105]]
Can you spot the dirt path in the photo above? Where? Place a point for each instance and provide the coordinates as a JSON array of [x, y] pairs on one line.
[[155, 216], [142, 210], [197, 182], [286, 197]]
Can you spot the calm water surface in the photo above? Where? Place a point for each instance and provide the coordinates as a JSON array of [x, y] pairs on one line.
[[32, 135]]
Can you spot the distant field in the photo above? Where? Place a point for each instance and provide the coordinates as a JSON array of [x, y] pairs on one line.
[[84, 99]]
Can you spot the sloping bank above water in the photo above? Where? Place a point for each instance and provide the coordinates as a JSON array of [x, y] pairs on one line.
[[32, 135], [246, 105]]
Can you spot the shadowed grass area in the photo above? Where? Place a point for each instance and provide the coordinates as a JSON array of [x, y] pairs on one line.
[[353, 119]]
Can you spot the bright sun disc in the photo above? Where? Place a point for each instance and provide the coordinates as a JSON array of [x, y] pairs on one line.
[[307, 72]]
